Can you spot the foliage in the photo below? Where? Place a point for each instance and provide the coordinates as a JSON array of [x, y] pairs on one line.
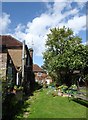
[[11, 106], [64, 54], [37, 86], [18, 88], [86, 77], [63, 87], [73, 86]]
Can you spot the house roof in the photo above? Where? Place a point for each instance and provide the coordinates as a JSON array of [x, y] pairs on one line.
[[36, 68], [9, 41], [16, 56]]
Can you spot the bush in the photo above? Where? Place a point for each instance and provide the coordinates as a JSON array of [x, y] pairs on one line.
[[38, 86], [63, 88], [73, 87]]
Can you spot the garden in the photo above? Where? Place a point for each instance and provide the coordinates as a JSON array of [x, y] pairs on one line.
[[43, 104], [48, 101]]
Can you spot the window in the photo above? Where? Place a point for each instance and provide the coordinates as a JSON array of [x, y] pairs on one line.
[[39, 74]]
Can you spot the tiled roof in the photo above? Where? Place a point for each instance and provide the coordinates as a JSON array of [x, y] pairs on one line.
[[9, 41], [36, 68], [16, 56]]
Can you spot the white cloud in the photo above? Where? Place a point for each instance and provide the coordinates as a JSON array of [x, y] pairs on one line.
[[43, 0], [19, 27], [54, 16], [78, 23], [79, 0], [63, 0], [81, 4], [85, 43], [19, 32], [39, 24], [5, 21]]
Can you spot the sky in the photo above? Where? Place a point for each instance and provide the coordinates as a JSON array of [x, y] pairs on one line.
[[32, 21]]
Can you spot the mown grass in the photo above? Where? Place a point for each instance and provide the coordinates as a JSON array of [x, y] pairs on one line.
[[44, 105]]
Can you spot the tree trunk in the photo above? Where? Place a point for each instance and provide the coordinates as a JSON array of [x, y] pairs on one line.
[[78, 85]]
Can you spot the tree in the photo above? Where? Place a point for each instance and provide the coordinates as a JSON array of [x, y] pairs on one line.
[[64, 54]]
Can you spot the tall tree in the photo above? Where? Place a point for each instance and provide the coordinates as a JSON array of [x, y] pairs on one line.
[[64, 54]]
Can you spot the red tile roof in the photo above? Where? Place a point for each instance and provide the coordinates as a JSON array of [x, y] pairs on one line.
[[9, 41], [36, 68]]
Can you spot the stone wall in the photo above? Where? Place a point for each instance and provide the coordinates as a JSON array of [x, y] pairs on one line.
[[3, 64]]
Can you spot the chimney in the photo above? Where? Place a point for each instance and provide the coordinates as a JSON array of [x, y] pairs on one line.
[[31, 53], [31, 57]]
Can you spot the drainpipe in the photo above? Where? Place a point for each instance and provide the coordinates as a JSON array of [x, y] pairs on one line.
[[17, 79], [23, 61]]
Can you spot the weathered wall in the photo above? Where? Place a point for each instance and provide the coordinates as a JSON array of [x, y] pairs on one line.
[[40, 77], [3, 64]]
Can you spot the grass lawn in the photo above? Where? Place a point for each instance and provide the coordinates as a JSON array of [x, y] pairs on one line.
[[44, 105]]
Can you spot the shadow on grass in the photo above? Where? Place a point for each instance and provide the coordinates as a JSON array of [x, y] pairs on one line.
[[21, 110], [80, 101], [11, 107]]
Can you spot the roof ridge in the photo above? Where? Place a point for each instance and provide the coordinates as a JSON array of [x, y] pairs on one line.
[[11, 37], [36, 67], [10, 40]]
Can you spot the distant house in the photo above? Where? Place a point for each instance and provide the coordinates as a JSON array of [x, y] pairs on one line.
[[41, 75], [48, 80], [12, 61]]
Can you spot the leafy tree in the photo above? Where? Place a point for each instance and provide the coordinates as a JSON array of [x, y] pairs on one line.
[[64, 54]]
